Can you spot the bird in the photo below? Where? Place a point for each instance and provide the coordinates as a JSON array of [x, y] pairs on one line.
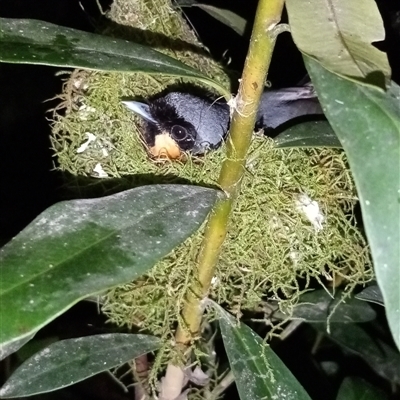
[[178, 122]]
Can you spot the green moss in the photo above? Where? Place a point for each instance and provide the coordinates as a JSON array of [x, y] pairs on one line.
[[270, 245]]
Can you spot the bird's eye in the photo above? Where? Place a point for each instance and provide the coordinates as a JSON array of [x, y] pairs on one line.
[[179, 132]]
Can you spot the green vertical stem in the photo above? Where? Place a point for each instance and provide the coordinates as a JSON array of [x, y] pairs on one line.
[[245, 109], [246, 105]]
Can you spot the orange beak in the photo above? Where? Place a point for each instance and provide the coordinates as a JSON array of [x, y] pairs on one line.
[[165, 147]]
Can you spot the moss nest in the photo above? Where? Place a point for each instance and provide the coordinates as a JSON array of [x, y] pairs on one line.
[[271, 242], [273, 250]]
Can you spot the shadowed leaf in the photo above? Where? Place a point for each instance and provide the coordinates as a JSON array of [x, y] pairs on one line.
[[81, 247]]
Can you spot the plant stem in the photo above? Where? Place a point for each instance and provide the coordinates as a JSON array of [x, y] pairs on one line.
[[241, 130]]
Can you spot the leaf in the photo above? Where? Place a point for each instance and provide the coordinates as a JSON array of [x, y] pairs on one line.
[[372, 294], [357, 389], [26, 41], [15, 345], [367, 123], [308, 134], [34, 346], [81, 247], [185, 3], [227, 17], [317, 306], [338, 34], [258, 372], [73, 360], [384, 359]]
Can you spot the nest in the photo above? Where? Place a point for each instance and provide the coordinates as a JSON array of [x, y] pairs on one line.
[[273, 249]]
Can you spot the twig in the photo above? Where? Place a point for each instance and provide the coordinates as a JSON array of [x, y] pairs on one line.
[[241, 130]]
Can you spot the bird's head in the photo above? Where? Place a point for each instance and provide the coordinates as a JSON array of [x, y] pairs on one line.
[[181, 122]]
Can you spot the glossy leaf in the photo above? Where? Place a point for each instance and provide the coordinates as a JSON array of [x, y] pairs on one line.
[[317, 306], [73, 360], [367, 123], [15, 345], [372, 294], [223, 15], [227, 17], [308, 134], [258, 371], [357, 389], [81, 247], [339, 34], [26, 41], [384, 359], [34, 346]]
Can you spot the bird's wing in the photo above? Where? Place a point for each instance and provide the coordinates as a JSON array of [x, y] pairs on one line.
[[280, 106]]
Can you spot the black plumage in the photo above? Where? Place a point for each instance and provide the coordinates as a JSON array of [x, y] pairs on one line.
[[278, 107], [196, 123]]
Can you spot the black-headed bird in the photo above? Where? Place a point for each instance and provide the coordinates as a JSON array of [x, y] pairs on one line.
[[179, 122]]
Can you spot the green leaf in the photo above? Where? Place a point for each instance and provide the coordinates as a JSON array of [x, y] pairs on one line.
[[340, 35], [372, 294], [357, 389], [317, 306], [384, 359], [81, 247], [34, 346], [15, 345], [227, 17], [258, 372], [367, 123], [308, 134], [27, 41], [73, 360]]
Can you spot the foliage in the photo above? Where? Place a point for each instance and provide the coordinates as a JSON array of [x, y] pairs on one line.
[[83, 247]]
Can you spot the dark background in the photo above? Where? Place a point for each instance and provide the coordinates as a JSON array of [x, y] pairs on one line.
[[29, 184]]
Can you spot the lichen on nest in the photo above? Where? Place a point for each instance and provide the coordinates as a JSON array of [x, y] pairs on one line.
[[273, 250]]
